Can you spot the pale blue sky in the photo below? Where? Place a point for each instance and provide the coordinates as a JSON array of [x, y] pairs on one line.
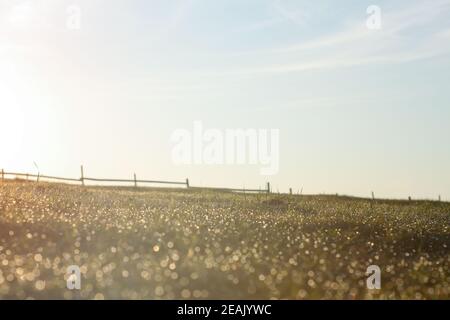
[[358, 109]]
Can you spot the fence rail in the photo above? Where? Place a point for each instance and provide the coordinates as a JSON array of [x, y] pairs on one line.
[[37, 176], [132, 181], [232, 189], [135, 181]]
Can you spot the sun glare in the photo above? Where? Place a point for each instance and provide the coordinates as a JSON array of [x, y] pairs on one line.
[[11, 124], [21, 15]]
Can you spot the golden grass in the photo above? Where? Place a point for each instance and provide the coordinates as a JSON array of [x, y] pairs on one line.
[[166, 244]]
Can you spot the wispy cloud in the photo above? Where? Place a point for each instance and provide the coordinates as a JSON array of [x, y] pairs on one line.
[[357, 45], [294, 16], [180, 12]]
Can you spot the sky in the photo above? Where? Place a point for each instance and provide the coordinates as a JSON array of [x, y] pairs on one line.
[[106, 83]]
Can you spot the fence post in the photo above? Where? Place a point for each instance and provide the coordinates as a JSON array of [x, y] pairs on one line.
[[187, 183], [268, 187], [439, 198], [3, 175], [37, 180], [82, 176], [135, 181], [290, 191], [373, 196]]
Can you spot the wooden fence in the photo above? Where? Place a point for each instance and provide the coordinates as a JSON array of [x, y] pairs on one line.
[[134, 181]]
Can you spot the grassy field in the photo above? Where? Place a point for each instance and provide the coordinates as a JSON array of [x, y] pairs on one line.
[[166, 244]]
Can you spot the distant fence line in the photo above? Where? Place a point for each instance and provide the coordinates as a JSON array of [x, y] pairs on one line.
[[135, 181]]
